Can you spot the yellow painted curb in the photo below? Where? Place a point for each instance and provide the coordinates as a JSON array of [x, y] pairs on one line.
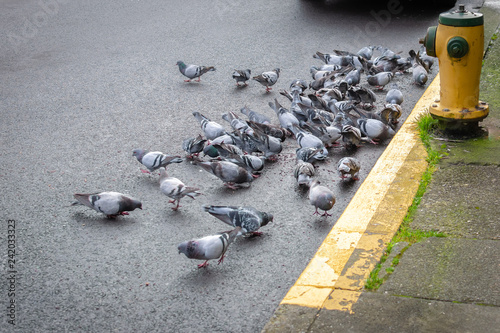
[[334, 277]]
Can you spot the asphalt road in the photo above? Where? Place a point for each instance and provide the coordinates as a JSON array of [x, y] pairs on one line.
[[83, 83]]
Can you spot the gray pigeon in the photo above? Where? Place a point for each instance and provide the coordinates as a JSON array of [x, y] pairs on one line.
[[349, 166], [303, 173], [252, 163], [306, 139], [394, 95], [327, 134], [268, 79], [333, 59], [270, 146], [248, 218], [154, 160], [366, 52], [286, 118], [111, 204], [361, 95], [225, 138], [310, 155], [237, 123], [233, 175], [254, 116], [241, 75], [193, 71], [379, 80], [193, 146], [419, 74], [208, 247], [317, 74], [269, 129], [175, 189], [420, 69], [375, 130], [321, 197], [222, 150], [298, 85], [353, 77], [211, 129]]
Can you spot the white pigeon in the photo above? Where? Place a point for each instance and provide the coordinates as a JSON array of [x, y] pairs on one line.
[[349, 166], [268, 79], [211, 128], [111, 204], [175, 189], [321, 197], [193, 71], [209, 247], [153, 160]]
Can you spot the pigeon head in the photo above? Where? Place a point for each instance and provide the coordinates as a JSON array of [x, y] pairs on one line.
[[188, 248], [181, 64], [266, 218], [182, 248], [133, 204], [139, 154]]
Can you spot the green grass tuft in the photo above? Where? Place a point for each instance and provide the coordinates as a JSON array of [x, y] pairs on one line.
[[427, 125]]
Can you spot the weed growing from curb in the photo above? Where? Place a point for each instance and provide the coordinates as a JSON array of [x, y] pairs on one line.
[[405, 233]]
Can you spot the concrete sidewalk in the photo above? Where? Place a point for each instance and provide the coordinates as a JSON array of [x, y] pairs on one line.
[[441, 284]]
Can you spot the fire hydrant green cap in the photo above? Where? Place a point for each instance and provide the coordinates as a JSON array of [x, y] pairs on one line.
[[457, 47], [461, 18]]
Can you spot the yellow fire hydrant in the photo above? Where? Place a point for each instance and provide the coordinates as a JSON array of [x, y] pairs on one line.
[[458, 43]]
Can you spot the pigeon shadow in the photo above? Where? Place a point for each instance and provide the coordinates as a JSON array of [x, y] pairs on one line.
[[119, 221], [347, 184]]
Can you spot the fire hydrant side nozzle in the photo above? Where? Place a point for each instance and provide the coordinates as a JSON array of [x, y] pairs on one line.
[[458, 43]]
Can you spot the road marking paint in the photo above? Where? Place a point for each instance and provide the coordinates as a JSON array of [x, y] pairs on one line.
[[370, 220]]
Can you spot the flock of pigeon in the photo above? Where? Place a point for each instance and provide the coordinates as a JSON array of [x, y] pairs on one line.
[[338, 111]]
